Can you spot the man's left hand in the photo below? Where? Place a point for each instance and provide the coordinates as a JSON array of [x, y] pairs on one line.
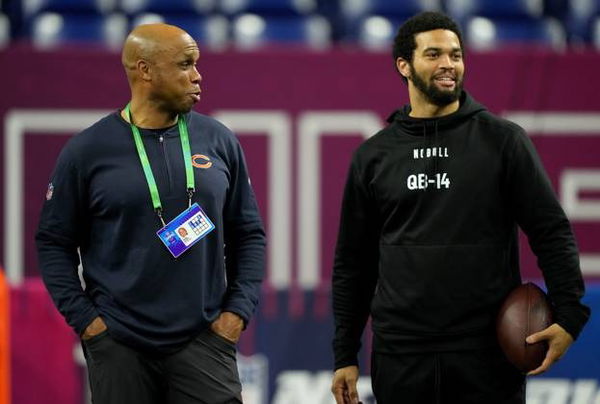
[[229, 326], [559, 340]]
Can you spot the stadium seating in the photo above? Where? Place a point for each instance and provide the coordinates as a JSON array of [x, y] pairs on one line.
[[193, 7], [251, 31], [52, 23], [4, 31], [399, 9], [315, 23], [580, 20], [32, 7], [51, 29], [195, 16], [257, 23], [373, 23], [268, 7], [556, 8], [211, 31], [376, 33], [491, 23], [596, 33], [484, 34], [495, 9]]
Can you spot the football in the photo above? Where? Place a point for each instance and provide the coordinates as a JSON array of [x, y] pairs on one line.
[[526, 310]]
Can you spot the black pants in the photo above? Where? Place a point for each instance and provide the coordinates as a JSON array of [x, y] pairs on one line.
[[468, 377], [204, 372]]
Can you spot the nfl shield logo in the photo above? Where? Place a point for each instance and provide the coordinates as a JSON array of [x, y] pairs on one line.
[[49, 192]]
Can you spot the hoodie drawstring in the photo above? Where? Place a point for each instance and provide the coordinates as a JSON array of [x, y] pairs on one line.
[[435, 144], [432, 166], [426, 143]]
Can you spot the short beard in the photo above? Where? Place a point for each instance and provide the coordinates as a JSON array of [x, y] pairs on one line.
[[432, 93]]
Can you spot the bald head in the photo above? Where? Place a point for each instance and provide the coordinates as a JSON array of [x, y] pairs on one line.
[[160, 61], [152, 43]]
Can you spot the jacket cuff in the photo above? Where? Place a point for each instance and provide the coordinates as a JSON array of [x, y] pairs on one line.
[[84, 319], [345, 355], [573, 320], [343, 362], [239, 310]]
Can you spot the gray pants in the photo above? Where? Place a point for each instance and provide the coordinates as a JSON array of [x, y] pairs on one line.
[[203, 372]]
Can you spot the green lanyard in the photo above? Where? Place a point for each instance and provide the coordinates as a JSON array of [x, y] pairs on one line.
[[187, 159]]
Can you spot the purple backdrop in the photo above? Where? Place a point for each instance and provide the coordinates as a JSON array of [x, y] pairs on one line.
[[292, 85]]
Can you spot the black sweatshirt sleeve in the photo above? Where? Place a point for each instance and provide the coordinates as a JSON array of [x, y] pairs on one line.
[[543, 220], [244, 241], [355, 269], [58, 238]]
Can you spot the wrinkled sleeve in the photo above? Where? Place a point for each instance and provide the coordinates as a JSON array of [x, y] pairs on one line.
[[549, 232], [58, 237], [355, 268], [245, 241]]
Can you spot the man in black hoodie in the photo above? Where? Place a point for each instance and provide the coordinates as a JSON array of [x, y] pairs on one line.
[[428, 240]]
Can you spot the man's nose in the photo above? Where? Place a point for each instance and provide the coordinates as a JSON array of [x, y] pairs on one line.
[[196, 76], [447, 62]]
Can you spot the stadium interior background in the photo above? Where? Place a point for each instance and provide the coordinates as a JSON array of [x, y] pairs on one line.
[[301, 82]]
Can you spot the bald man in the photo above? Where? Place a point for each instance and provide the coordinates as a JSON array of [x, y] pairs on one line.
[[158, 319]]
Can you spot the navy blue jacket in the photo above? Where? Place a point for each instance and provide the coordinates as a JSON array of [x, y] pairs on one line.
[[100, 204]]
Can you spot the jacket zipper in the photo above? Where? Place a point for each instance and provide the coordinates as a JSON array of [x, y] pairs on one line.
[[161, 140]]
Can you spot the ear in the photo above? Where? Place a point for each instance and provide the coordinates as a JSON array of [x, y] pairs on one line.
[[143, 68], [403, 67]]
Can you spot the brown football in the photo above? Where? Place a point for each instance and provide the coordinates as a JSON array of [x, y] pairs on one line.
[[525, 310]]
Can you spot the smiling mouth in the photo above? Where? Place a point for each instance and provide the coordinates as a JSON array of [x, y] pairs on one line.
[[445, 81]]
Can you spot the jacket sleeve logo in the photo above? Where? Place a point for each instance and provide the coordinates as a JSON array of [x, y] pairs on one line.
[[49, 192]]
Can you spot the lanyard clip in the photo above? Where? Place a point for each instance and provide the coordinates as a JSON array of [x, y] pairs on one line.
[[190, 195], [159, 213]]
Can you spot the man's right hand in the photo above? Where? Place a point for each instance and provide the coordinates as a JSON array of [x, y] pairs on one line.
[[96, 327], [344, 385]]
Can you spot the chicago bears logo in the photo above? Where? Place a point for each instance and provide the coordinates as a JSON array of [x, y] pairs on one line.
[[201, 161]]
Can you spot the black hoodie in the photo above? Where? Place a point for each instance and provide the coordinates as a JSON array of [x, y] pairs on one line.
[[428, 234]]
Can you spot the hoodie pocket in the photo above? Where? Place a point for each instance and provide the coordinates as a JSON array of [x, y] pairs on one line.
[[433, 290]]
